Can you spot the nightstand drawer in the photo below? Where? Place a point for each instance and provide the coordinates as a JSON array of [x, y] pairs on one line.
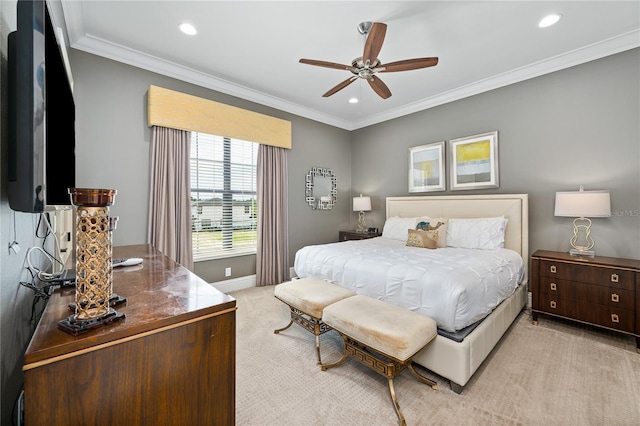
[[596, 294], [619, 319], [609, 296], [558, 306], [603, 276], [558, 288], [605, 316]]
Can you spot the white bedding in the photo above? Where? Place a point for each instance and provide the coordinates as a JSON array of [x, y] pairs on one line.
[[454, 286]]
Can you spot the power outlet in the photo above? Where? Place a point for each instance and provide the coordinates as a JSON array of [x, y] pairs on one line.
[[227, 272]]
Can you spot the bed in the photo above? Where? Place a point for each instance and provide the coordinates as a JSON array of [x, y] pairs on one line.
[[467, 334]]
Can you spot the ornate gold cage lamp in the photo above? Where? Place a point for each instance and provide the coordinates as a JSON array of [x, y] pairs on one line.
[[582, 205], [93, 250]]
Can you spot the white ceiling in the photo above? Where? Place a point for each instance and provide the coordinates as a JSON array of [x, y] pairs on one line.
[[251, 49]]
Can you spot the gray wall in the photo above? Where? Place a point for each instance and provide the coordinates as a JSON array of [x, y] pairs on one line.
[[16, 324], [112, 151], [578, 126]]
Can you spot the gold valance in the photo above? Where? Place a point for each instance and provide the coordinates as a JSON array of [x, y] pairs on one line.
[[176, 110]]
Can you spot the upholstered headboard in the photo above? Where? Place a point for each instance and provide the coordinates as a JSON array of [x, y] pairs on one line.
[[515, 207]]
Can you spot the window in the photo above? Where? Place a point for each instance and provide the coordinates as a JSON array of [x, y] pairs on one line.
[[223, 196]]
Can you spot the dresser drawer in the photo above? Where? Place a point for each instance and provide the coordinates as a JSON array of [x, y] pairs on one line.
[[559, 288], [609, 277], [596, 294], [610, 296], [606, 316], [558, 306]]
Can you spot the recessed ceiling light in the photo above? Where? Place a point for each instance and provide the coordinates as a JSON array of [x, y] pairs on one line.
[[187, 28], [549, 20], [353, 100]]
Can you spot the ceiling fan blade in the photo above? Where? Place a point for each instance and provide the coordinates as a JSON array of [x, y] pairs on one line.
[[379, 87], [326, 64], [406, 65], [373, 45], [340, 86]]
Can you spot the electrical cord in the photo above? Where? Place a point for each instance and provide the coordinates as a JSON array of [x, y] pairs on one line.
[[42, 276], [40, 294], [49, 231]]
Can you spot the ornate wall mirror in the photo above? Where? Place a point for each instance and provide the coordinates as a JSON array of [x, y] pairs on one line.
[[321, 188]]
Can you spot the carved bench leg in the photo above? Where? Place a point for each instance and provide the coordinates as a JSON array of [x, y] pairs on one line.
[[311, 324], [317, 333], [277, 331], [394, 398], [345, 355], [423, 379]]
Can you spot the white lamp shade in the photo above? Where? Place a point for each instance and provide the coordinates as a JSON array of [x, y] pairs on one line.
[[583, 204], [361, 204]]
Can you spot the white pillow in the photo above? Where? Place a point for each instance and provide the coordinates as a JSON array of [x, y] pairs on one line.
[[397, 228], [442, 230], [485, 233]]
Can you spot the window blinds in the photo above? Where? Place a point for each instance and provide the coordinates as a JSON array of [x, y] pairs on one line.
[[223, 196]]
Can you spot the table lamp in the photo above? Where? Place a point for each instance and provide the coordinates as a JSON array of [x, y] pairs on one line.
[[582, 205], [361, 204]]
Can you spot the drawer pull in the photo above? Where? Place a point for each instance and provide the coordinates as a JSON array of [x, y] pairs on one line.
[[615, 297], [553, 287], [614, 278], [552, 304], [552, 268], [614, 318]]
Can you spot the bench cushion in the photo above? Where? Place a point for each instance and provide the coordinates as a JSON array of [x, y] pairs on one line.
[[310, 295], [394, 331]]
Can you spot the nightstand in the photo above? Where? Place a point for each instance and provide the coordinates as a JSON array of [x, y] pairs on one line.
[[601, 291], [353, 235]]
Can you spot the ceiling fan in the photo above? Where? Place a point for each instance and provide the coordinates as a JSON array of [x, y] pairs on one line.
[[368, 65]]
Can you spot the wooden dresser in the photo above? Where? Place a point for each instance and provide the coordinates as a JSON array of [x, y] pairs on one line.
[[170, 361], [601, 291]]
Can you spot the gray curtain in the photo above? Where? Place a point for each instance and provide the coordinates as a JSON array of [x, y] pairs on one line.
[[272, 256], [170, 194]]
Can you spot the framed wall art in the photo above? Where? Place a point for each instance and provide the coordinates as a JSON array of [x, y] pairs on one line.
[[474, 162], [426, 168]]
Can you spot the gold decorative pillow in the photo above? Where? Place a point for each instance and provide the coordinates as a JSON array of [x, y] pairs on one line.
[[420, 238]]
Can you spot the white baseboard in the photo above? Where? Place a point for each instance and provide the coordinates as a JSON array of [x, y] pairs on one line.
[[241, 283], [235, 284]]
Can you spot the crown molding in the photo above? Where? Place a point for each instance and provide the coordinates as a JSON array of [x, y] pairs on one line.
[[78, 39], [611, 46], [119, 53]]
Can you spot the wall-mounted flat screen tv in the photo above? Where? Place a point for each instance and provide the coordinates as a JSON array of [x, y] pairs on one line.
[[41, 145]]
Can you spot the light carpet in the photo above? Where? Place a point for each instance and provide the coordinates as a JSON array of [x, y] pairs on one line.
[[555, 373]]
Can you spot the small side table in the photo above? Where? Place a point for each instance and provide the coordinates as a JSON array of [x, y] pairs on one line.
[[353, 235]]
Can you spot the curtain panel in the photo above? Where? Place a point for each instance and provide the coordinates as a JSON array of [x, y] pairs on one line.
[[272, 254], [170, 194]]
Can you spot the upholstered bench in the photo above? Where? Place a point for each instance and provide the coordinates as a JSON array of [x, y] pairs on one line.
[[307, 298], [380, 335]]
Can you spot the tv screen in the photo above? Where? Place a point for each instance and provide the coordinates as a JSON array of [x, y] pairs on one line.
[[41, 146]]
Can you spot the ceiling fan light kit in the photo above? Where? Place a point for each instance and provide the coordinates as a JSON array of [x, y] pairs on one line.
[[366, 66]]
